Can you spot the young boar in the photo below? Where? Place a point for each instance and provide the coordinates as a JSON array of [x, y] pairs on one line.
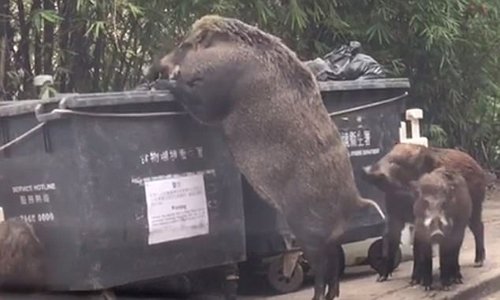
[[21, 257], [268, 105], [442, 210], [407, 162]]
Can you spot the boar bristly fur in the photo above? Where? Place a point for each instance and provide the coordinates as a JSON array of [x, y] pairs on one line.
[[442, 210], [21, 257], [408, 162], [268, 104]]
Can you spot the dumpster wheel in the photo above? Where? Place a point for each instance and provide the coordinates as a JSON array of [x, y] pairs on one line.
[[375, 256], [279, 282]]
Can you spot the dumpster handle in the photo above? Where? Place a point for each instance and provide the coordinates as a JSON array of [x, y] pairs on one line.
[[116, 115], [22, 136], [361, 107], [59, 111]]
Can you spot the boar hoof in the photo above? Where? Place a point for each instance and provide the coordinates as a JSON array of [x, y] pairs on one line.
[[414, 281], [458, 280], [478, 264], [162, 84], [382, 278], [427, 288]]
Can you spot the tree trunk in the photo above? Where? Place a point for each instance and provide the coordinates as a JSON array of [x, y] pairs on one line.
[[97, 65], [4, 23], [24, 53], [48, 40], [80, 80], [37, 5], [67, 9]]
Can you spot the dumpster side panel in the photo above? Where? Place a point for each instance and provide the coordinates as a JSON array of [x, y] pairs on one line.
[[125, 153], [95, 223], [38, 186]]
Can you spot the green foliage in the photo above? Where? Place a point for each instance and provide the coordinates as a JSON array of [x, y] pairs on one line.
[[447, 48]]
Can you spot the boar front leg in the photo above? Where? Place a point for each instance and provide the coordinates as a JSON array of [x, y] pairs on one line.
[[446, 263], [416, 275], [390, 244], [425, 261], [186, 95], [456, 275]]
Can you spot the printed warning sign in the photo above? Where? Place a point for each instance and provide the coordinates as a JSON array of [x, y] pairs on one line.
[[177, 208]]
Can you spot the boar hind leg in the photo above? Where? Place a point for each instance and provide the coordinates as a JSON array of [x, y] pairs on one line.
[[333, 271], [317, 255], [390, 245], [477, 227]]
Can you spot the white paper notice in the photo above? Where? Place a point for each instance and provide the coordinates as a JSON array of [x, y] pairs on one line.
[[177, 208]]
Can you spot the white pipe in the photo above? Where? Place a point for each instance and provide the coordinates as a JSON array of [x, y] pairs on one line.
[[414, 116]]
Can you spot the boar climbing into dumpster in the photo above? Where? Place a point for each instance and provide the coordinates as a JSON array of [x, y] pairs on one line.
[[442, 210], [21, 257], [268, 105], [407, 162]]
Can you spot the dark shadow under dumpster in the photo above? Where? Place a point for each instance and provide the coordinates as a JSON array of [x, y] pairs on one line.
[[93, 178]]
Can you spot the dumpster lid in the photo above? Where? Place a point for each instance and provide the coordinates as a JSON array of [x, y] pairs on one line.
[[76, 100], [117, 98], [367, 84], [13, 108]]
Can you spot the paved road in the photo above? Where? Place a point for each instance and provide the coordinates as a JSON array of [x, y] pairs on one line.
[[361, 283], [494, 296]]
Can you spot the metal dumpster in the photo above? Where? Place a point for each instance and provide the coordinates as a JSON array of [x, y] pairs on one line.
[[368, 115], [121, 187]]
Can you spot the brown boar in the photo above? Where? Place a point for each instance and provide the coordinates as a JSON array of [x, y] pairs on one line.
[[21, 257], [268, 104], [407, 162], [442, 210]]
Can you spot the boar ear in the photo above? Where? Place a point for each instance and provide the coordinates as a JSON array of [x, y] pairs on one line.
[[449, 175], [427, 162], [207, 38]]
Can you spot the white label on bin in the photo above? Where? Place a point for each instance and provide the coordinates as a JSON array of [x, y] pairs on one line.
[[359, 138], [177, 208], [356, 138]]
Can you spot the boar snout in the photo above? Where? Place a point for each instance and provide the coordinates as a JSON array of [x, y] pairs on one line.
[[369, 173], [367, 170], [373, 174], [437, 236], [162, 69]]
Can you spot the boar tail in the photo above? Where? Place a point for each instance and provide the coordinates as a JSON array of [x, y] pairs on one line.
[[364, 202]]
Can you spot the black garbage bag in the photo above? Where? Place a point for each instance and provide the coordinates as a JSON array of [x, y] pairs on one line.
[[346, 63]]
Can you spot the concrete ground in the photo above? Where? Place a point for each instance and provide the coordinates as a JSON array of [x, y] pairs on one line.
[[479, 283]]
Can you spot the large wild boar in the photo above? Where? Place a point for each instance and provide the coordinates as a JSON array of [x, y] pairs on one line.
[[407, 162], [442, 210], [21, 257], [268, 105]]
